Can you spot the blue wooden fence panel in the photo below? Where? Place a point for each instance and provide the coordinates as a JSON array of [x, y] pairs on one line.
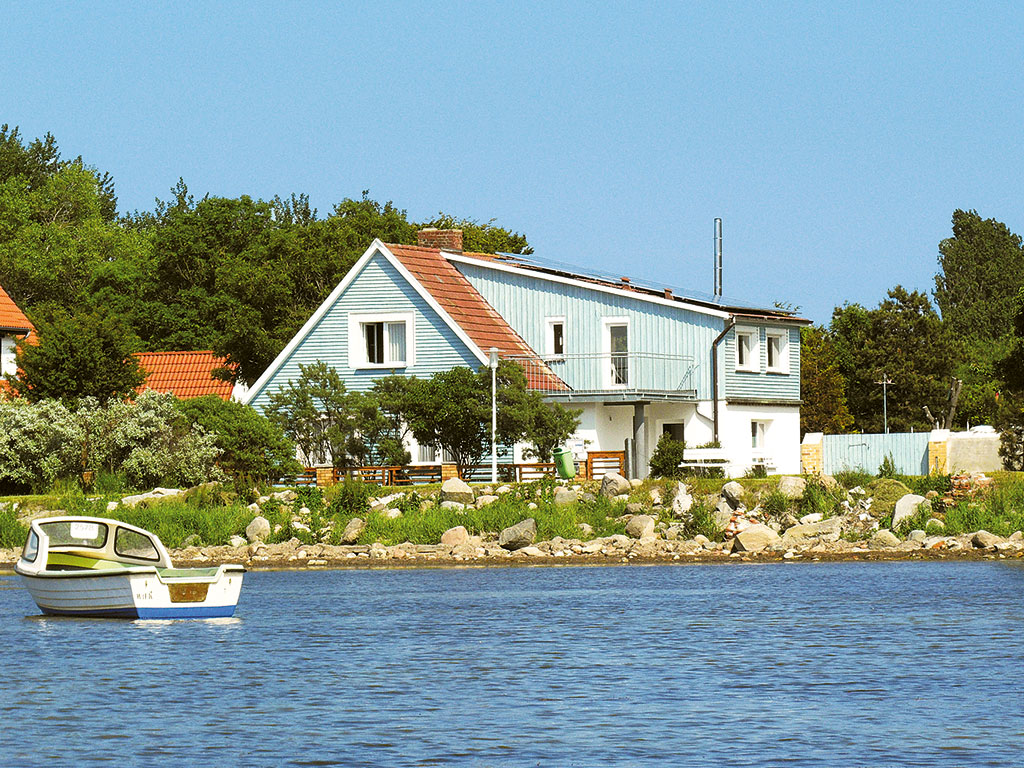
[[909, 451]]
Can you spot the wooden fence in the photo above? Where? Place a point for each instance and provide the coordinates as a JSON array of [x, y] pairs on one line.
[[596, 465]]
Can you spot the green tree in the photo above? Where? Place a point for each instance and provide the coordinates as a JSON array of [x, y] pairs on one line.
[[904, 340], [251, 446], [78, 356], [667, 456], [320, 415], [822, 386]]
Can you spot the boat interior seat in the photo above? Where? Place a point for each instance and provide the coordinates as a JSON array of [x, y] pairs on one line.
[[71, 560]]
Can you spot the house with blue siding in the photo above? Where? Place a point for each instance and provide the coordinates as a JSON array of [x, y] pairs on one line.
[[638, 361]]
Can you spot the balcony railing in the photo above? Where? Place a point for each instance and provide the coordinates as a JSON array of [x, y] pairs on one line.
[[595, 373]]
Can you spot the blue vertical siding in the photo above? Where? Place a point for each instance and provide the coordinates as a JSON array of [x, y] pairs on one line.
[[909, 451], [379, 287], [526, 301], [762, 384]]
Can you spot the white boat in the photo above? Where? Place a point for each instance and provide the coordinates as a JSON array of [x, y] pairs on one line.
[[91, 566]]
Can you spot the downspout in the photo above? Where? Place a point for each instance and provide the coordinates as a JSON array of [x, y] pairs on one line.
[[714, 372]]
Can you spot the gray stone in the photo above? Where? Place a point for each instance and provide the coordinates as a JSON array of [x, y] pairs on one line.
[[682, 502], [585, 528], [286, 496], [456, 489], [917, 535], [983, 540], [392, 514], [455, 537], [353, 530], [733, 493], [194, 540], [722, 513], [503, 489], [634, 508], [254, 508], [792, 487], [532, 551], [456, 505], [655, 495], [884, 539], [828, 530], [519, 535], [111, 506], [935, 525], [908, 507], [485, 499], [614, 484], [701, 539], [258, 529], [235, 541], [754, 539], [814, 517], [564, 496], [640, 526], [1016, 536]]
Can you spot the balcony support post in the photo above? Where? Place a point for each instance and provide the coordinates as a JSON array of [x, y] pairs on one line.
[[640, 459]]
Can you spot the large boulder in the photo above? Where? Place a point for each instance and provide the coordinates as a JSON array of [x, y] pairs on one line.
[[827, 530], [722, 513], [456, 489], [733, 493], [455, 537], [564, 496], [754, 539], [884, 539], [519, 535], [682, 502], [907, 507], [353, 530], [983, 540], [640, 526], [614, 484], [258, 529], [792, 487]]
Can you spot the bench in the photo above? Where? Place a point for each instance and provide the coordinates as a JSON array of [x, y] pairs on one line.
[[703, 458]]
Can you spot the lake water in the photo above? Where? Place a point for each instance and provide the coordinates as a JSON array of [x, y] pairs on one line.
[[852, 664]]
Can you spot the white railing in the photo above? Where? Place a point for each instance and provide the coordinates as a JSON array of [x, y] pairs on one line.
[[610, 372]]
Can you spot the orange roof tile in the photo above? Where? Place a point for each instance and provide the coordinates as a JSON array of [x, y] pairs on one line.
[[184, 374], [12, 318], [480, 321]]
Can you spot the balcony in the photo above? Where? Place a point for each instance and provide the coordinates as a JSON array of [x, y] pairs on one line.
[[610, 377]]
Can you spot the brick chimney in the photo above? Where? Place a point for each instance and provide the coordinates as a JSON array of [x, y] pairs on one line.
[[448, 239]]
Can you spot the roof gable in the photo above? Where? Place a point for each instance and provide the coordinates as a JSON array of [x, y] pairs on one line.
[[184, 374], [11, 317]]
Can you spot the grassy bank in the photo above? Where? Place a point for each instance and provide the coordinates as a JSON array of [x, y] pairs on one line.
[[205, 517]]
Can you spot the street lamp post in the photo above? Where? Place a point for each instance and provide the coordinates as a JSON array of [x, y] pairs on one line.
[[493, 363], [885, 382]]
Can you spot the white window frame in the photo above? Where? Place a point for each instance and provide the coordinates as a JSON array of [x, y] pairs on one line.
[[606, 352], [549, 337], [753, 365], [782, 364], [759, 435], [357, 339]]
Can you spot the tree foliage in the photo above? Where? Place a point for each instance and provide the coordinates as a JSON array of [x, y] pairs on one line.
[[88, 355], [822, 386], [904, 340]]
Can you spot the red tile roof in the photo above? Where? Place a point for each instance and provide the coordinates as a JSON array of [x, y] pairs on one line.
[[480, 321], [184, 374], [12, 318]]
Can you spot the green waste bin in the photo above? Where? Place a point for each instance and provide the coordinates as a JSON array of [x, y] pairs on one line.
[[564, 463]]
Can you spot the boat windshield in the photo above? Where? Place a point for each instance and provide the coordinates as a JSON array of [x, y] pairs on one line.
[[76, 533], [134, 544], [31, 547]]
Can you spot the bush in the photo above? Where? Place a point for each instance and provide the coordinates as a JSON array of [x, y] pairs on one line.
[[818, 498], [252, 447], [12, 532], [852, 478], [351, 499], [667, 457]]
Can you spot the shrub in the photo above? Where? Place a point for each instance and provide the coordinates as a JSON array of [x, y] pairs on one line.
[[251, 446], [12, 531], [888, 467], [852, 478], [351, 499], [818, 498], [667, 457]]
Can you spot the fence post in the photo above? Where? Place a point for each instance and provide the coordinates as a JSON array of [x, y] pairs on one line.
[[448, 471], [324, 477], [812, 459], [938, 451]]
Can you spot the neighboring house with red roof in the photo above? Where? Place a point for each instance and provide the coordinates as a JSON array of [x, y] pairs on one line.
[[13, 327], [639, 361], [187, 374]]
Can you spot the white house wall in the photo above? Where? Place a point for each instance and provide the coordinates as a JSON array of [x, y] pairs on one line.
[[8, 361], [782, 436]]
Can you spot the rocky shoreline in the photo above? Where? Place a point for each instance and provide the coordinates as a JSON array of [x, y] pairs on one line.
[[611, 550]]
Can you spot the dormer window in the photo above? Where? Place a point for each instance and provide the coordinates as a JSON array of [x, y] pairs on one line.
[[777, 351]]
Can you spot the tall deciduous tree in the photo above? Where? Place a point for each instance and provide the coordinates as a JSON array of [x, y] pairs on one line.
[[904, 340], [77, 356], [822, 387]]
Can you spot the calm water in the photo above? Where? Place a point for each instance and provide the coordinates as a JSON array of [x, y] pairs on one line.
[[801, 664]]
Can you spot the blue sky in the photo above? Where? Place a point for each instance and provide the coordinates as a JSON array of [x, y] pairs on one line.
[[835, 142]]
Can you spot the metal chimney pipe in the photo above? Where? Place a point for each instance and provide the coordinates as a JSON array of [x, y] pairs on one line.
[[718, 258]]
